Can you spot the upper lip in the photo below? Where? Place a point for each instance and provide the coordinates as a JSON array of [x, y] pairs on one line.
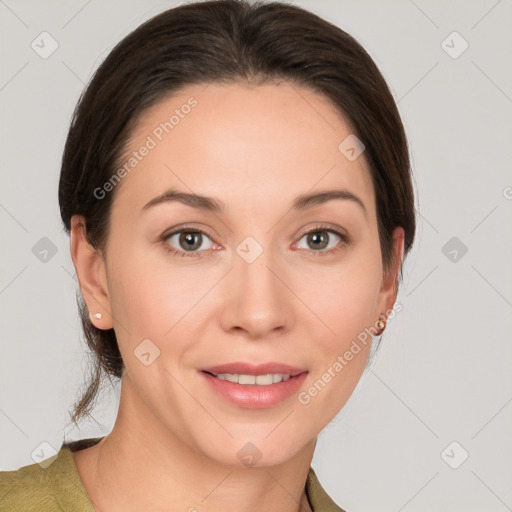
[[251, 369]]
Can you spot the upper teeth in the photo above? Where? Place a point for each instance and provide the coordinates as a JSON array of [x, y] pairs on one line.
[[262, 380]]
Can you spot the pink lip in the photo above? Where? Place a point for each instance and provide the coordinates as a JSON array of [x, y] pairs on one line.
[[250, 369], [254, 396]]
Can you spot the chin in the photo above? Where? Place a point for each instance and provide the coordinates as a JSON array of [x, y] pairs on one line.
[[257, 449]]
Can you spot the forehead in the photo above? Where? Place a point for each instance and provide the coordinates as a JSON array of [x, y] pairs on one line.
[[239, 142]]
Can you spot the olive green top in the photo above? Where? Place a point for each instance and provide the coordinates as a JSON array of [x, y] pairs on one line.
[[57, 487]]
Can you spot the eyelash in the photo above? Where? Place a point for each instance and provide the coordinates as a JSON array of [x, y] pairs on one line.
[[345, 240]]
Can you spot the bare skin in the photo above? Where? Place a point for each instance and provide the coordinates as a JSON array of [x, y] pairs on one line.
[[175, 442]]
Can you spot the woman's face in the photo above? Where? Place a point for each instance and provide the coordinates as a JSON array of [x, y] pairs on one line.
[[189, 287]]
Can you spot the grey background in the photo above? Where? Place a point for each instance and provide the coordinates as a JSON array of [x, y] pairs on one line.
[[443, 372]]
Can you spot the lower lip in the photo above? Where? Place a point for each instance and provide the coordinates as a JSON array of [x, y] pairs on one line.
[[254, 396]]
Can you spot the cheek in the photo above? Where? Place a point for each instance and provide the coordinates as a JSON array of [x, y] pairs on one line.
[[348, 314], [344, 301], [344, 298], [339, 357], [353, 309], [152, 292]]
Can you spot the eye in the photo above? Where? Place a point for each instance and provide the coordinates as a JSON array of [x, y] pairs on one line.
[[186, 242], [324, 240]]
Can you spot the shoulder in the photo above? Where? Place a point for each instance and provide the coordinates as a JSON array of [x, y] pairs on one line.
[[53, 484], [27, 488], [320, 501]]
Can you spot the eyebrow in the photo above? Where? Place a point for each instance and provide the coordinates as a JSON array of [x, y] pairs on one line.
[[213, 205]]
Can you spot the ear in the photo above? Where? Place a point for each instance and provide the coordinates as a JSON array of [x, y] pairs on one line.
[[91, 272], [389, 288]]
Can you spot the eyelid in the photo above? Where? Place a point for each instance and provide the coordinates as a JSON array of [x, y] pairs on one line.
[[187, 227], [331, 228]]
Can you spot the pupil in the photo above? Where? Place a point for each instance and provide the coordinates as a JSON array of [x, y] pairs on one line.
[[188, 238], [315, 237]]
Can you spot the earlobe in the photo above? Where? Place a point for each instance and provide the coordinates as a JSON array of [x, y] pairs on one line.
[[90, 270]]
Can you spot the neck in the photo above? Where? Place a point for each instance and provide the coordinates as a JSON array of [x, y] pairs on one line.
[[141, 466]]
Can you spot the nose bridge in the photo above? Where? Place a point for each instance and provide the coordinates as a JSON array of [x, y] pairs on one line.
[[256, 299]]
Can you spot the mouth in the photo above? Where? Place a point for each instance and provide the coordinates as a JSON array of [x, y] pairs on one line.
[[255, 387], [261, 374], [260, 380]]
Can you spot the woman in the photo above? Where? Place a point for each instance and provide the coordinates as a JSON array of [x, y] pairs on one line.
[[236, 185]]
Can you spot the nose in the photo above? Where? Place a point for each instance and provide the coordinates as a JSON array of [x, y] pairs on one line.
[[256, 300]]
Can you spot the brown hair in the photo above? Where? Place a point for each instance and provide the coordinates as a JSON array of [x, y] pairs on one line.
[[225, 41]]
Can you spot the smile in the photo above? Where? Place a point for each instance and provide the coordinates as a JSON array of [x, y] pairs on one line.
[[260, 380], [255, 389]]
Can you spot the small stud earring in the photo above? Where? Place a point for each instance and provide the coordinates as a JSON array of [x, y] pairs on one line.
[[381, 325], [99, 316]]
